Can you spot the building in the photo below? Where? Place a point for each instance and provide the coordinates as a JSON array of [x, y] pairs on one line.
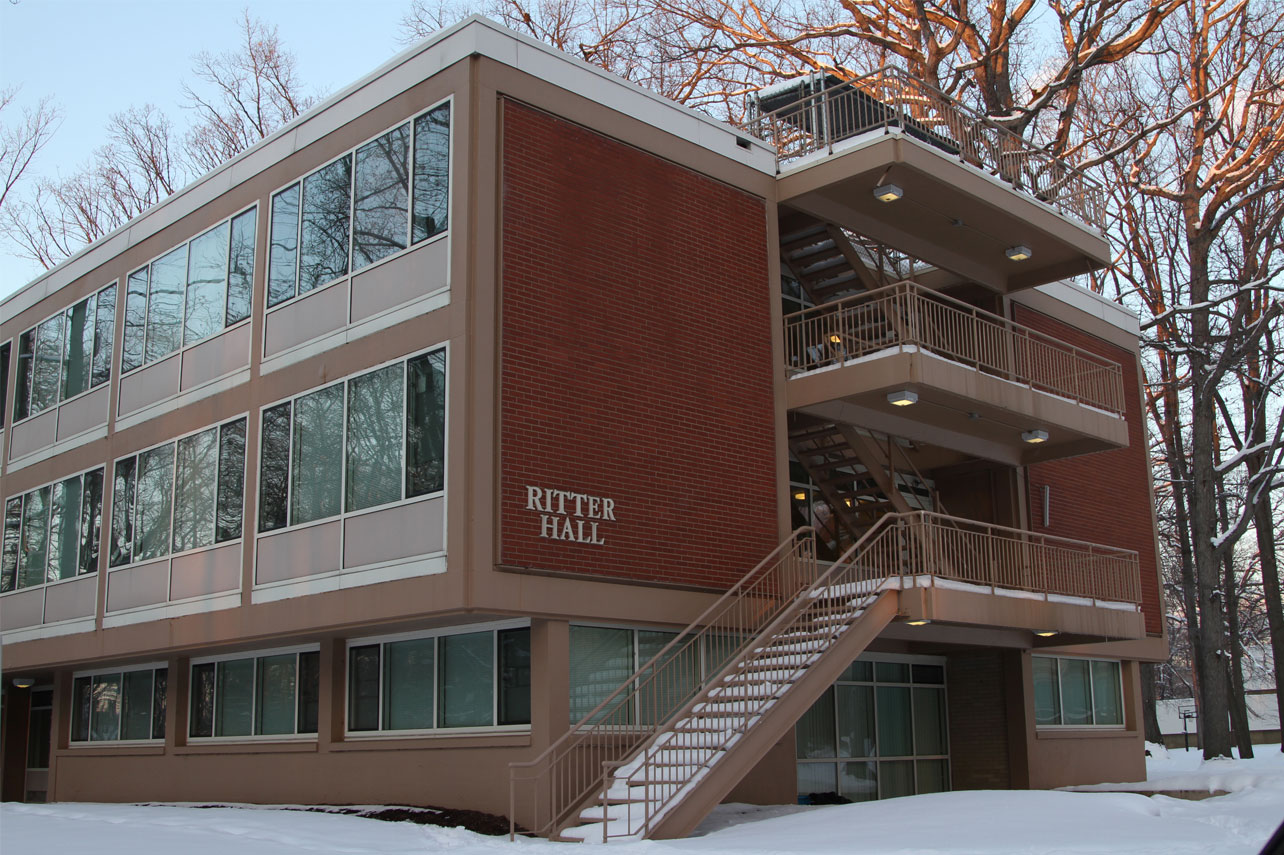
[[360, 468]]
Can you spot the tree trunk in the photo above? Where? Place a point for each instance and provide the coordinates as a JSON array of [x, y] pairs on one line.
[[1150, 721], [1235, 674], [1271, 585]]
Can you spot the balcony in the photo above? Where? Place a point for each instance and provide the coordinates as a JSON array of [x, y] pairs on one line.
[[968, 189], [910, 362]]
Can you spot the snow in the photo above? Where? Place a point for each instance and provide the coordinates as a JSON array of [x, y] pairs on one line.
[[982, 822]]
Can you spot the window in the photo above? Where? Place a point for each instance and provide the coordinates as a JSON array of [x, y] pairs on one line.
[[450, 680], [602, 658], [119, 705], [389, 194], [190, 293], [270, 694], [1077, 692], [65, 355], [4, 382], [183, 495], [52, 532], [879, 732], [367, 441]]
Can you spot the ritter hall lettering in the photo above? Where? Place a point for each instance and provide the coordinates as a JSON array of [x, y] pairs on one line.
[[564, 515]]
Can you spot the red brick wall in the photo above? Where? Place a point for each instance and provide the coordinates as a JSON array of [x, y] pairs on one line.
[[978, 722], [636, 358], [1104, 497]]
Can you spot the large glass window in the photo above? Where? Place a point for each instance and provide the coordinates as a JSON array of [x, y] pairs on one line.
[[603, 658], [364, 442], [65, 355], [390, 193], [449, 680], [119, 705], [879, 732], [4, 382], [1077, 692], [190, 293], [273, 694], [52, 532], [186, 494]]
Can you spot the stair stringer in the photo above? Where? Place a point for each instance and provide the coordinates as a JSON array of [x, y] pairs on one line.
[[703, 796]]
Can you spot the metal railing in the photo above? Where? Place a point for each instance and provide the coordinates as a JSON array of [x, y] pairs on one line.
[[890, 99], [907, 314], [649, 741]]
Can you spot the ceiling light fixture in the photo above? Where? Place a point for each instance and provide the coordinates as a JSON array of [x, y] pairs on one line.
[[1034, 437], [1019, 252], [918, 622], [888, 192], [23, 682], [903, 398], [800, 496], [1046, 633]]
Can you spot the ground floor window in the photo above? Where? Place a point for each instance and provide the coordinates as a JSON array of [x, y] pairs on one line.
[[273, 693], [119, 705], [1077, 692], [879, 732], [444, 680]]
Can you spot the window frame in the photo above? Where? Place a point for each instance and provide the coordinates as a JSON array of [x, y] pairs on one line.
[[492, 627], [4, 503], [1092, 695], [123, 296], [254, 656], [351, 152], [6, 354], [80, 744]]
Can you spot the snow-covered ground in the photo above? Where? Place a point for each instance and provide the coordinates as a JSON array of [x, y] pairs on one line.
[[963, 823]]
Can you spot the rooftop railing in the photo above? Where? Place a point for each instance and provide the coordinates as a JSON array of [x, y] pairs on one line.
[[890, 99], [907, 314]]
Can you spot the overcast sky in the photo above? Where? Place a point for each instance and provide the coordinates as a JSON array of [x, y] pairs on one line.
[[99, 57]]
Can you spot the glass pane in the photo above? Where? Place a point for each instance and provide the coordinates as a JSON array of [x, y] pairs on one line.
[[380, 197], [409, 674], [104, 333], [4, 381], [202, 703], [814, 733], [91, 521], [323, 250], [374, 438], [363, 688], [933, 776], [275, 696], [601, 660], [859, 781], [1047, 697], [104, 722], [153, 505], [135, 320], [425, 423], [12, 544], [35, 532], [78, 350], [432, 173], [26, 357], [283, 245], [467, 679], [81, 704], [515, 676], [315, 481], [64, 530], [165, 304], [195, 484], [894, 735], [856, 721], [39, 729], [231, 480], [929, 722], [891, 672], [1076, 692], [47, 367], [160, 698], [896, 779], [234, 711], [274, 468], [203, 311], [136, 709], [859, 672], [240, 267], [817, 780], [309, 690], [1107, 700], [931, 674], [122, 512], [676, 679]]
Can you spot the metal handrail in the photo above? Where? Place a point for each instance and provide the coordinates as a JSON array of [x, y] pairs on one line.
[[908, 314], [889, 98]]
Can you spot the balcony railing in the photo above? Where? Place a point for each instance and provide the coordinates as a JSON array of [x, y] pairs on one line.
[[906, 314], [890, 98]]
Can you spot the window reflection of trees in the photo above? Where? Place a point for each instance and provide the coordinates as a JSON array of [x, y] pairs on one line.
[[318, 455], [425, 423], [374, 438], [283, 246], [324, 251], [203, 310], [195, 485], [380, 197], [231, 481], [240, 267], [135, 320], [165, 305], [432, 173], [274, 468], [154, 502], [122, 512]]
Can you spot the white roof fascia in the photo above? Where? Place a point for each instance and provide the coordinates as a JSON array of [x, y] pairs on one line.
[[1094, 304]]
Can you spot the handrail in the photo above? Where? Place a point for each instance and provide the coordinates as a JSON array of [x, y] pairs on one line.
[[906, 313], [889, 98]]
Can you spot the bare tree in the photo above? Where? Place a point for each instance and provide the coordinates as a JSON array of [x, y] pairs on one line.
[[22, 140]]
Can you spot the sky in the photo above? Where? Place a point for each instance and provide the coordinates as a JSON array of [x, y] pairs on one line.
[[99, 57]]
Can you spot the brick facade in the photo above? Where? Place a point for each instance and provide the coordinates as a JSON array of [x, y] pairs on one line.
[[628, 373], [1104, 497], [978, 722]]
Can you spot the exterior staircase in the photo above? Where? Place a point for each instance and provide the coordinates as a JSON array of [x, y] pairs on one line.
[[824, 259]]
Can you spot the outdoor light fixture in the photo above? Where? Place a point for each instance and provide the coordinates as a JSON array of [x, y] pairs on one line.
[[800, 496], [835, 338], [1034, 437], [1019, 252], [888, 192], [903, 398], [1046, 633], [23, 682], [919, 622]]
